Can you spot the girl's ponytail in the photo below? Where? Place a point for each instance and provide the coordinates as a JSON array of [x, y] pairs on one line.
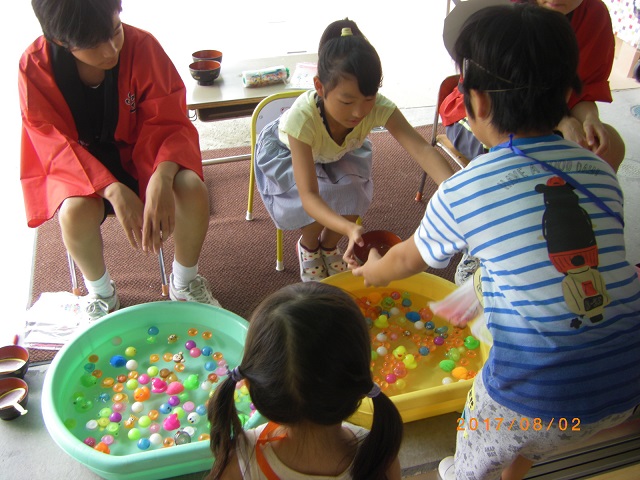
[[381, 446], [225, 425]]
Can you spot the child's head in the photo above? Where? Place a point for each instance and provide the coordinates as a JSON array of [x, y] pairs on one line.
[[525, 59], [77, 24], [307, 361], [342, 56]]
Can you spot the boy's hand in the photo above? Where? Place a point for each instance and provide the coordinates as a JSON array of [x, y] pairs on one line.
[[573, 130], [159, 212], [128, 209], [596, 135], [365, 271]]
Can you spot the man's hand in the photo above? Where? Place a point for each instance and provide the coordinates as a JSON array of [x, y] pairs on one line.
[[159, 210], [128, 209]]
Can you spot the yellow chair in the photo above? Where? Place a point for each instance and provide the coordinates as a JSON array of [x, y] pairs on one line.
[[268, 110], [446, 87]]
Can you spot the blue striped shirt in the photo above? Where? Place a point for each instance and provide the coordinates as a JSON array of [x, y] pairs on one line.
[[531, 233]]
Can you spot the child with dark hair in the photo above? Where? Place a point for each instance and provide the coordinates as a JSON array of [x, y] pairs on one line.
[[313, 164], [306, 364], [105, 130], [544, 216]]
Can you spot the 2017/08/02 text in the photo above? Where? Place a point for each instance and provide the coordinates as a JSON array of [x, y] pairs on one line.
[[523, 423]]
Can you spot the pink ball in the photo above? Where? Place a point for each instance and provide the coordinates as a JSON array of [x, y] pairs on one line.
[[391, 378], [154, 428], [144, 379], [195, 352], [188, 406]]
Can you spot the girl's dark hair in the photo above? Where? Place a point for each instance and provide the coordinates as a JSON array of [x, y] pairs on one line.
[[307, 359], [77, 23], [525, 57], [351, 55]]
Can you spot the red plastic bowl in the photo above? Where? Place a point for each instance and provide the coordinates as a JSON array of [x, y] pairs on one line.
[[207, 55], [381, 240]]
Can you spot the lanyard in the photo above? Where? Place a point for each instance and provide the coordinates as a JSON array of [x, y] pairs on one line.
[[565, 176], [263, 439]]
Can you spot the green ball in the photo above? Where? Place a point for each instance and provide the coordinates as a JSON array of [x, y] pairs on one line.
[[447, 365]]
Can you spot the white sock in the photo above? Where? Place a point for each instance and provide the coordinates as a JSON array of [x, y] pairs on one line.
[[101, 287], [182, 276]]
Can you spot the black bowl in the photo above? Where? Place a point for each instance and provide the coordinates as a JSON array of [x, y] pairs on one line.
[[14, 361], [207, 55], [13, 391], [205, 71]]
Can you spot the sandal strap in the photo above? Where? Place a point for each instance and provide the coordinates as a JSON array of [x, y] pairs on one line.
[[329, 259], [313, 263]]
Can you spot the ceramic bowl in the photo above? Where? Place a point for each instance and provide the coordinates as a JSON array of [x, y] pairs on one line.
[[381, 240], [14, 393], [207, 55], [205, 71], [14, 361]]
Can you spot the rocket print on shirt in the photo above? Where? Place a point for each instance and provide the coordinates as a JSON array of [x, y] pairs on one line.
[[573, 250]]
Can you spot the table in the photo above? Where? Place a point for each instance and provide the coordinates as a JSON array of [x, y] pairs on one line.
[[228, 97]]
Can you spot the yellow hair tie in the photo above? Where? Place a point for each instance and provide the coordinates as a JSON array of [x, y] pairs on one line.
[[346, 32]]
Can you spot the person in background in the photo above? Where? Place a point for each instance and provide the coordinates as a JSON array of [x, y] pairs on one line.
[[544, 217], [306, 365], [313, 164], [591, 23], [105, 131]]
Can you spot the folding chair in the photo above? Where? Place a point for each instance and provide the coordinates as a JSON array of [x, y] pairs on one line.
[[74, 279], [268, 110], [447, 85]]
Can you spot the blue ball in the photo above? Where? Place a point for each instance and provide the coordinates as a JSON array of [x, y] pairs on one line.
[[413, 316], [144, 443], [424, 351], [165, 408], [206, 351], [201, 410], [153, 331], [118, 361], [210, 366]]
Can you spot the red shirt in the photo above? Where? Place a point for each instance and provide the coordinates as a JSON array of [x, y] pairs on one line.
[[591, 23], [153, 126]]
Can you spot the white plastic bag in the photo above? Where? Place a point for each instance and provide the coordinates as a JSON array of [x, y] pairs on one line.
[[462, 307]]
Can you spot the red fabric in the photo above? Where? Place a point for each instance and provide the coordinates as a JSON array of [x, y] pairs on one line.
[[153, 126], [592, 25]]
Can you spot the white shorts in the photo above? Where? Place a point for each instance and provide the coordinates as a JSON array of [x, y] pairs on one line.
[[491, 436]]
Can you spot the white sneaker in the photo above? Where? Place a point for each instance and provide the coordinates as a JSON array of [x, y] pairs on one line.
[[333, 261], [447, 469], [197, 291], [312, 268], [466, 268], [97, 306]]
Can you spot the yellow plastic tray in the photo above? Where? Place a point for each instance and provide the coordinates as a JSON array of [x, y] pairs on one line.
[[427, 402]]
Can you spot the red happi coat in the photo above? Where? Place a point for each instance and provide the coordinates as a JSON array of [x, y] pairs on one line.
[[592, 25], [152, 127]]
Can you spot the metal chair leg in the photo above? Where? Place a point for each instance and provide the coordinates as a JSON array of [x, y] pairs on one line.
[[74, 280], [163, 274]]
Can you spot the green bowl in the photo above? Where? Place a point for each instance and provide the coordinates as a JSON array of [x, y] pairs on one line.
[[74, 394]]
